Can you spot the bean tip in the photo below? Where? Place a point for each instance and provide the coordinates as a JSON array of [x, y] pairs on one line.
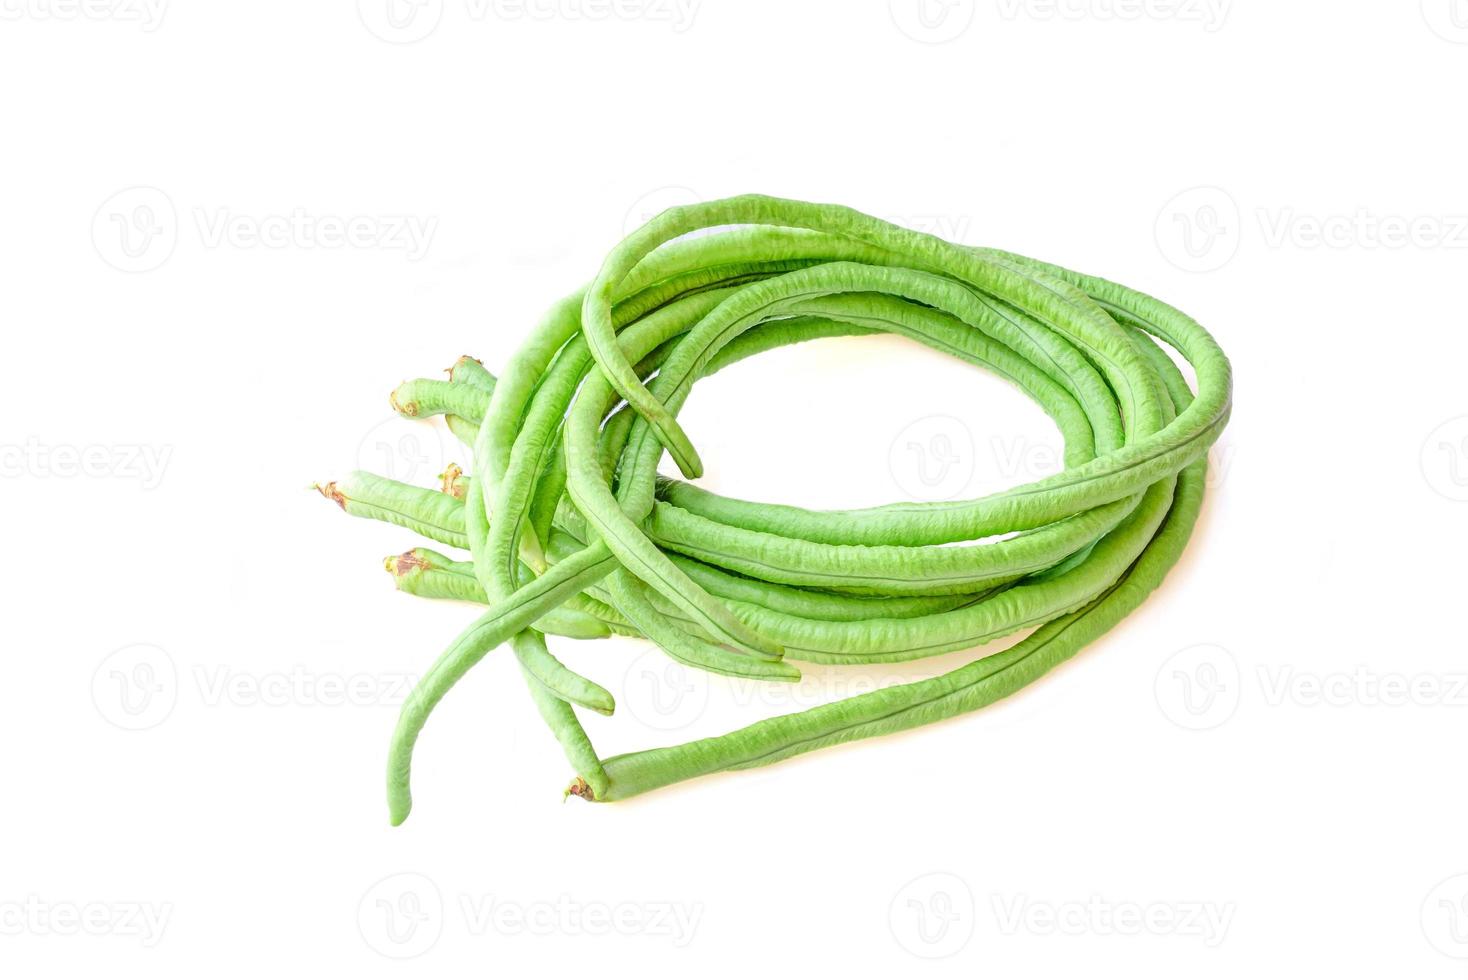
[[407, 409], [399, 804], [463, 359], [330, 492], [579, 787], [406, 563], [788, 673], [453, 481]]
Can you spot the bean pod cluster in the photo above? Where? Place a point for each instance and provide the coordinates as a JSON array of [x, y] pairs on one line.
[[571, 531]]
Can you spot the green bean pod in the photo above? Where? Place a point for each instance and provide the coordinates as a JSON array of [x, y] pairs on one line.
[[566, 442]]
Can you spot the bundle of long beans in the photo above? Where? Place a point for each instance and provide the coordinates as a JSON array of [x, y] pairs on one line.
[[572, 531]]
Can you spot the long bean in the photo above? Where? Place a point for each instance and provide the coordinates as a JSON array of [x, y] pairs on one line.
[[588, 540]]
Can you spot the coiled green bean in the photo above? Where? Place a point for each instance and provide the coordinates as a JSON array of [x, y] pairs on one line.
[[588, 540]]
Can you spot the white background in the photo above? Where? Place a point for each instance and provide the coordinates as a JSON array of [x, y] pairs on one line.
[[182, 361]]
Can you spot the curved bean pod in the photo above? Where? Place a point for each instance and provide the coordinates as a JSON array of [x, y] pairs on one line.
[[569, 437]]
